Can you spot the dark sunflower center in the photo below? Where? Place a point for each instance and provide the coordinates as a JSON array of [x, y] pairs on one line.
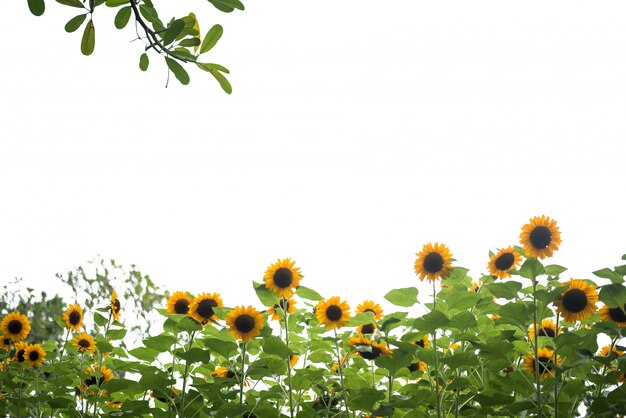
[[283, 277], [20, 355], [15, 326], [75, 317], [544, 365], [230, 374], [617, 314], [117, 306], [541, 237], [420, 343], [367, 329], [546, 332], [433, 263], [334, 313], [284, 304], [205, 308], [574, 300], [414, 367], [371, 355], [181, 306], [93, 380], [84, 343], [244, 323], [6, 341], [33, 355], [505, 261]]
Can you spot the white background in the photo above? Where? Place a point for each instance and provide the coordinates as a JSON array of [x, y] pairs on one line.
[[357, 132]]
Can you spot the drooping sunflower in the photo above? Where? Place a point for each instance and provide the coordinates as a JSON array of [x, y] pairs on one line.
[[15, 326], [162, 396], [475, 287], [369, 349], [370, 306], [423, 342], [20, 351], [494, 317], [92, 380], [578, 301], [244, 323], [367, 328], [114, 404], [417, 366], [223, 372], [5, 343], [281, 278], [547, 329], [433, 262], [73, 317], [546, 362], [84, 343], [604, 352], [287, 305], [116, 306], [540, 237], [34, 355], [293, 360], [505, 260], [201, 309], [178, 303], [613, 314], [332, 312]]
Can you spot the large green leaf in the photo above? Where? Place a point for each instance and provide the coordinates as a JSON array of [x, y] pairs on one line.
[[116, 3], [37, 7], [276, 346], [613, 295], [122, 17], [506, 290], [173, 31], [74, 23], [531, 268], [88, 43], [178, 70], [305, 292], [73, 3], [210, 39], [227, 5], [403, 297], [431, 321], [266, 297], [215, 69]]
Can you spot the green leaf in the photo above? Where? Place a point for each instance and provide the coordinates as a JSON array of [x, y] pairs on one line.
[[116, 334], [210, 39], [116, 3], [143, 62], [37, 7], [74, 23], [144, 354], [189, 324], [214, 69], [88, 42], [160, 342], [613, 295], [394, 362], [607, 273], [173, 31], [554, 270], [507, 290], [467, 358], [178, 71], [189, 42], [306, 293], [360, 319], [462, 321], [431, 321], [403, 297], [365, 398], [531, 268], [99, 319], [122, 17], [195, 355], [227, 6], [73, 3], [266, 297], [276, 346]]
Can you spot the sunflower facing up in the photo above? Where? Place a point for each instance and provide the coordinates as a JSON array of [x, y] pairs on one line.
[[370, 306], [287, 305], [281, 278], [15, 326], [578, 301], [616, 315], [547, 329], [540, 237], [369, 350], [201, 309], [73, 317], [546, 362], [332, 312], [34, 355], [604, 352], [433, 262], [244, 323], [116, 306], [178, 303], [84, 343], [505, 260], [20, 351]]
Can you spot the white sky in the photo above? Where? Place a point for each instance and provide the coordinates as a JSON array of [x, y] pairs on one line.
[[357, 132]]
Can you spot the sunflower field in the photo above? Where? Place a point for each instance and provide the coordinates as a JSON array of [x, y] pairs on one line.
[[522, 339]]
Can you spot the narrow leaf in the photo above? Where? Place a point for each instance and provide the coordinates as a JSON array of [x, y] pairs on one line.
[[72, 3], [173, 31], [211, 38], [122, 17], [75, 23], [178, 71], [88, 42]]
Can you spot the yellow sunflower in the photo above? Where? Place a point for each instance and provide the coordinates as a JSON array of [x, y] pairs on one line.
[[369, 350], [116, 306], [223, 372], [613, 314], [540, 237], [84, 343], [244, 323], [546, 362], [73, 317], [505, 260], [423, 342], [114, 404], [5, 343], [34, 355], [293, 360], [493, 317], [578, 301], [287, 305], [20, 351], [281, 278], [433, 262], [332, 313], [370, 306], [604, 352], [475, 286], [547, 329], [367, 328], [92, 380], [178, 303], [418, 366], [201, 309], [15, 326], [162, 397]]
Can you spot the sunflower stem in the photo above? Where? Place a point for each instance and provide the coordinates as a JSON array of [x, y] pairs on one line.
[[373, 377], [182, 396], [536, 350], [343, 388], [288, 357], [436, 359], [557, 373], [243, 372]]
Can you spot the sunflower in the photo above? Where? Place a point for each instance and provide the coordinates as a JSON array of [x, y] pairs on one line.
[[418, 366], [281, 278], [604, 352], [293, 359], [367, 328], [107, 374], [84, 343], [223, 372], [287, 305], [201, 309], [546, 362], [15, 326], [475, 286], [370, 306], [540, 237], [73, 317], [369, 350], [493, 317], [5, 343], [332, 313], [505, 260], [244, 323], [433, 262], [114, 404], [613, 314], [578, 301], [179, 303], [162, 397], [20, 351], [423, 342], [547, 329], [116, 306], [34, 355]]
